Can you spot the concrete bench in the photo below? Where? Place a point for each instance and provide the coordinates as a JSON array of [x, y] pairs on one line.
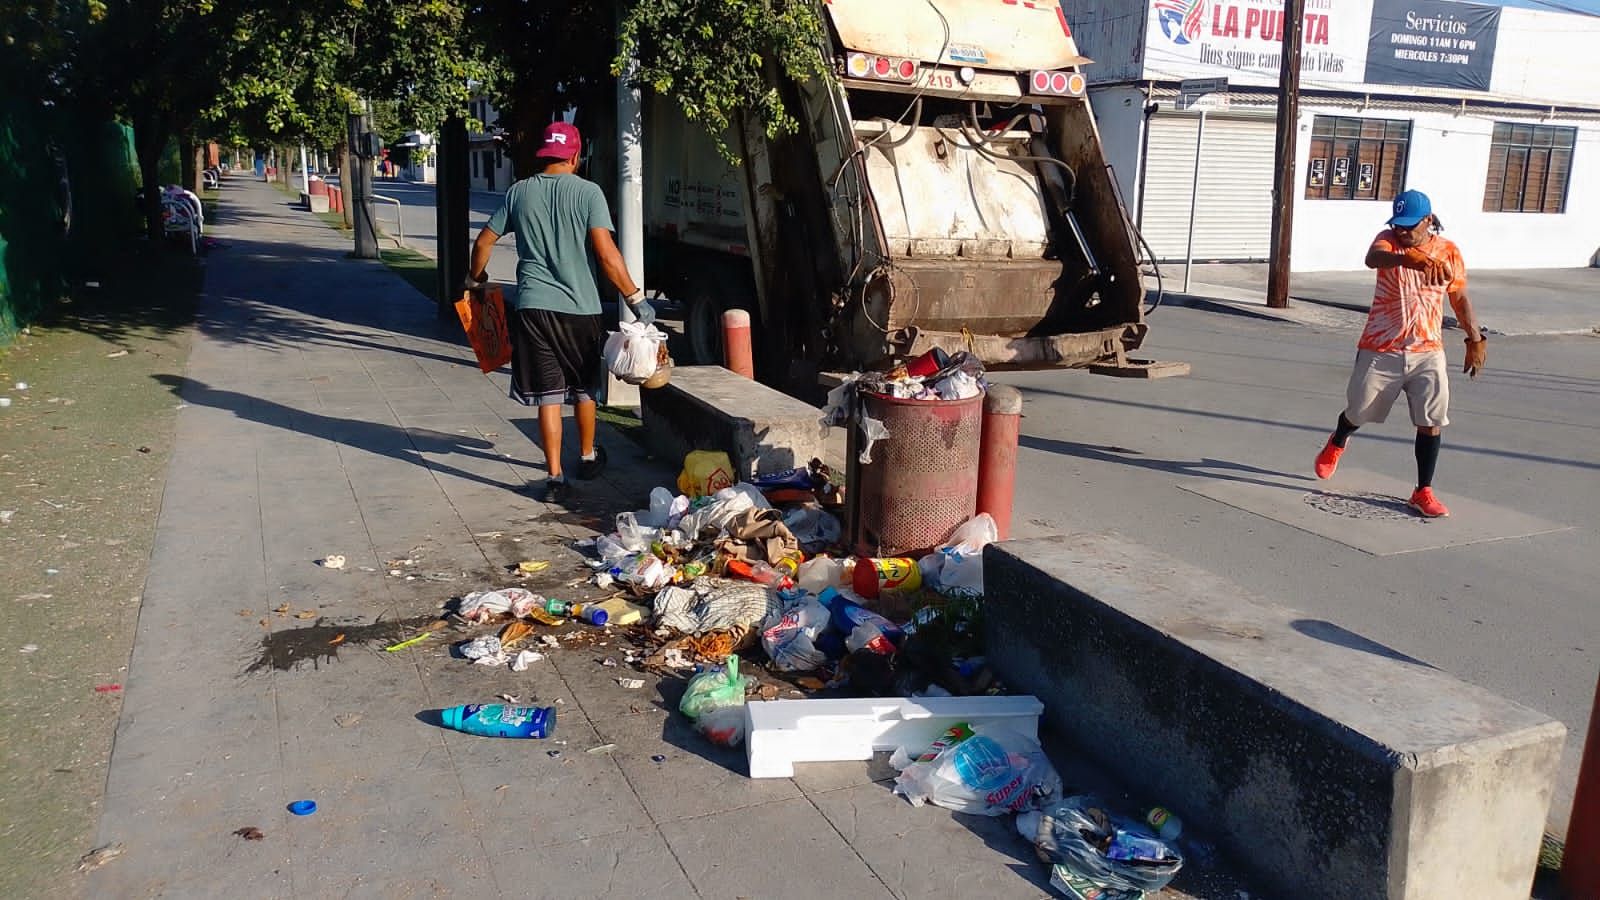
[[1331, 765], [710, 408]]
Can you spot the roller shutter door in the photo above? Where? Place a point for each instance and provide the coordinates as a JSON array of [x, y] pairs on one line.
[[1233, 214]]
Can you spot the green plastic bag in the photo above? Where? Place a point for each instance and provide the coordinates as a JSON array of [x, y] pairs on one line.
[[715, 702]]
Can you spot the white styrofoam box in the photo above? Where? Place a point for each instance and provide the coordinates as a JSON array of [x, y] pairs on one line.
[[781, 733]]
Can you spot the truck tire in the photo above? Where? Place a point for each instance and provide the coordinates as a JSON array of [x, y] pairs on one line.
[[710, 294]]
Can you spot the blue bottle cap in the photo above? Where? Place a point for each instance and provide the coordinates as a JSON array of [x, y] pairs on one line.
[[303, 807]]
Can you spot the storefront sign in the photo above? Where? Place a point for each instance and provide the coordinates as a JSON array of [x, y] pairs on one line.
[[1244, 40], [1432, 43], [1341, 171]]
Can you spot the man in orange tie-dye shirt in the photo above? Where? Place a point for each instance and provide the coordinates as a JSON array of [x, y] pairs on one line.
[[1402, 348]]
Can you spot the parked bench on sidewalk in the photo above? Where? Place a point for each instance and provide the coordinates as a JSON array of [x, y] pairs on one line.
[[710, 408], [1335, 767]]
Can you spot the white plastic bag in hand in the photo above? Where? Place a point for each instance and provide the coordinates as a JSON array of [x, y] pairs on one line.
[[630, 352]]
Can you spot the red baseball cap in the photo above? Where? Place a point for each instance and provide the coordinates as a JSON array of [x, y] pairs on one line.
[[561, 141]]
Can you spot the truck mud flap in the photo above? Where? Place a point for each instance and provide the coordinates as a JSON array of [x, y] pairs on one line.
[[1064, 351]]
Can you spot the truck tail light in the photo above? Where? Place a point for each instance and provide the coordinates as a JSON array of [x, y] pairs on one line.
[[866, 65], [1062, 84]]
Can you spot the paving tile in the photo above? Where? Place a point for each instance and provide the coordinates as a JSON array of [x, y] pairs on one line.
[[695, 778], [528, 799], [634, 864], [173, 837], [929, 851], [774, 851], [596, 684], [821, 777]]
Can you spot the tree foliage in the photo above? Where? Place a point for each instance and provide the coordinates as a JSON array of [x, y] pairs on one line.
[[716, 58]]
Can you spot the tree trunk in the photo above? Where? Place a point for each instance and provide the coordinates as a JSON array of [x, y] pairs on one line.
[[192, 164], [148, 139]]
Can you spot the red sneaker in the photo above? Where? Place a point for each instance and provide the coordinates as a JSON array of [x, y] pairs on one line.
[[1423, 501], [1328, 459]]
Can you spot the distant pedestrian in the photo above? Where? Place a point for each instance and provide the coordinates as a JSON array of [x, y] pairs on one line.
[[1401, 349], [563, 230]]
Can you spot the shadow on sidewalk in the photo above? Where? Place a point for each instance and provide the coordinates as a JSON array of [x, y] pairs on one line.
[[1207, 467], [395, 442]]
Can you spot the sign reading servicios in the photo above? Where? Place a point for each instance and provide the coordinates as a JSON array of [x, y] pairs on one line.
[[1432, 43]]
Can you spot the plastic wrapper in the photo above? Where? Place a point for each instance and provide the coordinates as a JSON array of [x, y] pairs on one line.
[[863, 629], [709, 520], [956, 566], [633, 536], [814, 527], [993, 772], [841, 400], [1082, 835], [645, 569], [714, 700], [632, 352], [790, 639], [872, 431], [481, 606]]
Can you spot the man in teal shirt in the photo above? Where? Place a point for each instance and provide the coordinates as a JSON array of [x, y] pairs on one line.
[[563, 231]]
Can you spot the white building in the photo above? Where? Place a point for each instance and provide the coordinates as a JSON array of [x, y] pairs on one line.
[[490, 166], [1492, 111]]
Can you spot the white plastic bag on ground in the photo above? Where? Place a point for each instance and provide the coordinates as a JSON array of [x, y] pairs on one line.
[[659, 515], [631, 351], [633, 535], [480, 606], [725, 506], [995, 771], [789, 640], [959, 560]]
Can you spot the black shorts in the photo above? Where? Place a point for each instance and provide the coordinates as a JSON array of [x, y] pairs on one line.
[[555, 357]]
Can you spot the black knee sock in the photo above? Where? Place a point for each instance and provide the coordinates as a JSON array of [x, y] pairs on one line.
[[1342, 431], [1427, 458]]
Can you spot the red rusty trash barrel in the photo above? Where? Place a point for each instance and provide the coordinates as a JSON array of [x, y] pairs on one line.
[[923, 478]]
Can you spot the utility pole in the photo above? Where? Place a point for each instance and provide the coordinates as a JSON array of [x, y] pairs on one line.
[[452, 191], [359, 180], [630, 207], [1288, 127]]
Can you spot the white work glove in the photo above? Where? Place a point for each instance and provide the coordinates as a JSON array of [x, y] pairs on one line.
[[641, 307]]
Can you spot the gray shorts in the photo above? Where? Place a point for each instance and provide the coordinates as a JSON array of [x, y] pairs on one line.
[[1379, 378]]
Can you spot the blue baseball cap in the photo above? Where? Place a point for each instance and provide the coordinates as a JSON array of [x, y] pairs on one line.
[[1410, 208]]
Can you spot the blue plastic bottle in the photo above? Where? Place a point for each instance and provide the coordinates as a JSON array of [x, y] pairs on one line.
[[500, 720]]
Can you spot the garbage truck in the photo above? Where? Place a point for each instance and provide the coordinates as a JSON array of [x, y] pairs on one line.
[[947, 189]]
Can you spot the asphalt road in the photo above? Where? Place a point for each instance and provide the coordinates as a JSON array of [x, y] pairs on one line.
[[1515, 616]]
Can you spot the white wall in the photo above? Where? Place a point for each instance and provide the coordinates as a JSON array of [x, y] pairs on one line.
[[1449, 162], [1119, 115]]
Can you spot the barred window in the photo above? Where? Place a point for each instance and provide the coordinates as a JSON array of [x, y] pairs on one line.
[[1529, 166], [1357, 159]]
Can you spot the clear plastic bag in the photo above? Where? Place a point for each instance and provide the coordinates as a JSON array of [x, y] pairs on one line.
[[995, 771], [635, 537], [1114, 852], [790, 641], [714, 700]]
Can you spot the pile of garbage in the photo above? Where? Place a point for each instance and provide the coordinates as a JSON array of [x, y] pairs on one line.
[[729, 567]]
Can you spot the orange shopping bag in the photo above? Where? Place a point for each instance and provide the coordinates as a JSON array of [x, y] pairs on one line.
[[483, 315]]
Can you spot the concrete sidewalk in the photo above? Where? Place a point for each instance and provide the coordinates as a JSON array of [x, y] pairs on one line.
[[327, 411], [1508, 301]]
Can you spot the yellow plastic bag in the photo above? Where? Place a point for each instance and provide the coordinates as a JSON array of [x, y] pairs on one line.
[[705, 472]]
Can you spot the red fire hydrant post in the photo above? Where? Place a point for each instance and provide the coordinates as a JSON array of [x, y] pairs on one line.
[[997, 455], [736, 343], [1580, 860]]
